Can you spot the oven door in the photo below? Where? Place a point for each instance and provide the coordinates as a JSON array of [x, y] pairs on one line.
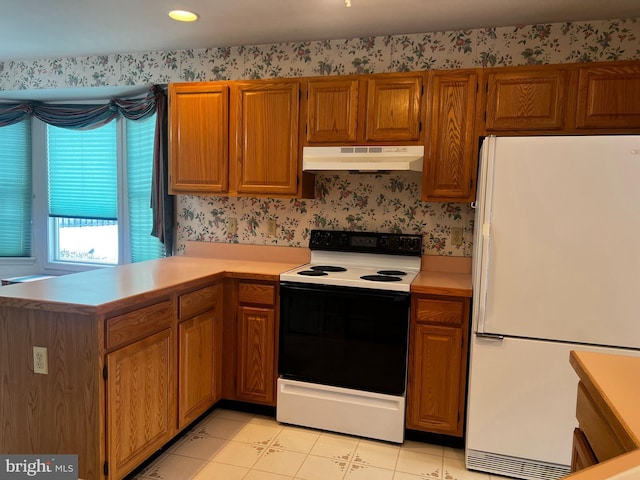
[[346, 337]]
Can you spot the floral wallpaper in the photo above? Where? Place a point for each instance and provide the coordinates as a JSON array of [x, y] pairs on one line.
[[363, 202], [360, 202]]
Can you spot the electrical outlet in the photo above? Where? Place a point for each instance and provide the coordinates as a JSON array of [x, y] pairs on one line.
[[232, 226], [40, 364], [271, 227], [456, 236]]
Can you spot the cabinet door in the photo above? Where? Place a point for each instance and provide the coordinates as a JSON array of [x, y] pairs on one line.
[[332, 110], [264, 149], [393, 112], [256, 355], [582, 456], [198, 138], [609, 96], [141, 409], [452, 147], [199, 381], [435, 388], [526, 99]]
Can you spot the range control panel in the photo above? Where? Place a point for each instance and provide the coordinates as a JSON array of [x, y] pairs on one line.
[[366, 242]]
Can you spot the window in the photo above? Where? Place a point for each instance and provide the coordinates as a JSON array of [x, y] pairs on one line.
[[15, 185], [83, 194], [99, 184]]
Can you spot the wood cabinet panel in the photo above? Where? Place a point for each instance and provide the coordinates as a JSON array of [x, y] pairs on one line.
[[256, 355], [140, 401], [380, 109], [609, 96], [437, 364], [332, 110], [198, 379], [582, 455], [198, 301], [524, 99], [452, 146], [433, 310], [596, 428], [257, 293], [437, 376], [139, 323], [393, 108], [60, 412], [264, 151], [198, 138]]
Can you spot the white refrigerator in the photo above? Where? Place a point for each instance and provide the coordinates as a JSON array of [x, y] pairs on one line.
[[556, 267]]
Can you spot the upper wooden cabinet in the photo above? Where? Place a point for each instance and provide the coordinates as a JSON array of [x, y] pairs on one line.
[[199, 138], [264, 150], [452, 147], [364, 109], [522, 99], [568, 99], [236, 138], [393, 108], [246, 137], [608, 96], [332, 110]]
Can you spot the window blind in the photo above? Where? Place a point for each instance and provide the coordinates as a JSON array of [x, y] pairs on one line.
[[15, 185], [83, 180], [140, 137]]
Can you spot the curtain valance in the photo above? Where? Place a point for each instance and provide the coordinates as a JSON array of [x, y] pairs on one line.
[[83, 116]]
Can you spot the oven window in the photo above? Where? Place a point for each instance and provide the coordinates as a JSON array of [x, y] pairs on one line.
[[346, 337]]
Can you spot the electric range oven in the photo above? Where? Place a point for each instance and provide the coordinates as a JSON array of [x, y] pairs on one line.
[[344, 326]]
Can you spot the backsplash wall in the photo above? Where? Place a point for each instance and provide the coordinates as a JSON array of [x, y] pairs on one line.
[[361, 202]]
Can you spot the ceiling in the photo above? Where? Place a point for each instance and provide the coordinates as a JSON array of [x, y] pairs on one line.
[[31, 29]]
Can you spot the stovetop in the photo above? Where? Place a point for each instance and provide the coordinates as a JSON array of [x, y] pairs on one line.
[[360, 260]]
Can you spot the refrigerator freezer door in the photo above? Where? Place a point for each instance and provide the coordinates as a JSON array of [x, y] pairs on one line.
[[521, 408], [564, 226]]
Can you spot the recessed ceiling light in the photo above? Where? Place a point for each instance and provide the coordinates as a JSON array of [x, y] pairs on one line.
[[183, 15]]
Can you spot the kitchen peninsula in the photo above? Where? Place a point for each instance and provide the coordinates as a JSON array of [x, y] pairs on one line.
[[607, 441], [137, 352]]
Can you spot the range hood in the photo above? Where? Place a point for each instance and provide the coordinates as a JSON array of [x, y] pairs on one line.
[[363, 159]]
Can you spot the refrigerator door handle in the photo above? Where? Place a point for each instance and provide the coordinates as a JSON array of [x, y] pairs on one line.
[[490, 336], [484, 273]]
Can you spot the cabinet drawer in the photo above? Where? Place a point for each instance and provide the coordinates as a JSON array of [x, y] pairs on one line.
[[257, 293], [596, 428], [439, 311], [138, 323], [196, 302]]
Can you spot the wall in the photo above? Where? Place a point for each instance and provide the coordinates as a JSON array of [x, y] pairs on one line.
[[363, 202]]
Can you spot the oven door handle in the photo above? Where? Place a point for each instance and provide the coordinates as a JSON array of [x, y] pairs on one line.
[[388, 294]]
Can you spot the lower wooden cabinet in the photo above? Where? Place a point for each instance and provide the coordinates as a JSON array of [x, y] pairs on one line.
[[597, 439], [582, 455], [200, 353], [199, 379], [140, 401], [437, 377], [256, 355], [256, 343]]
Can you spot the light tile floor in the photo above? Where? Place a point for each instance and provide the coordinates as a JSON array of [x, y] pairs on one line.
[[230, 445]]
